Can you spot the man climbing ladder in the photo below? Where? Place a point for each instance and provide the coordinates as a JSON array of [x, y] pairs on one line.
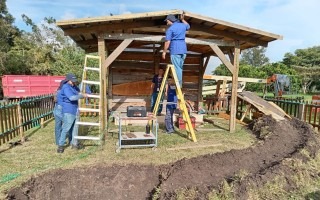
[[181, 101]]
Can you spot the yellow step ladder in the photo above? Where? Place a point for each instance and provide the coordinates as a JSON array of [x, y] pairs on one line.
[[82, 102], [181, 101]]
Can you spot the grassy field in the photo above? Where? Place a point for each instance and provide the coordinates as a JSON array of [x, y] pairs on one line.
[[38, 155], [307, 97]]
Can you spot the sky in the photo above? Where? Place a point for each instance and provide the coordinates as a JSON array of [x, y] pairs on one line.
[[296, 20]]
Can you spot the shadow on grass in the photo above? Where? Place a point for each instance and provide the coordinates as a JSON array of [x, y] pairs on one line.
[[313, 195]]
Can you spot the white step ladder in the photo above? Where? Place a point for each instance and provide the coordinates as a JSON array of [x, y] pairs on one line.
[[82, 103]]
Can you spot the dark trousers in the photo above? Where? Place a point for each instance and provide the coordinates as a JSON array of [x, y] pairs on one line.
[[169, 119]]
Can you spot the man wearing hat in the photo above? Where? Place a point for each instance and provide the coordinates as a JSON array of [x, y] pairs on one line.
[[70, 94], [175, 42]]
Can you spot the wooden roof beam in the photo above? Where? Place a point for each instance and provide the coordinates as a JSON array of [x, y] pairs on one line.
[[230, 35], [158, 38]]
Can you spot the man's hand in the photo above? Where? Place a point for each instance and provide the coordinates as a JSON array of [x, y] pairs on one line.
[[163, 55], [181, 17]]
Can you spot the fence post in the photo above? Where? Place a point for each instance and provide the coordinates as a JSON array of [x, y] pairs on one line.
[[42, 122], [301, 111], [20, 121]]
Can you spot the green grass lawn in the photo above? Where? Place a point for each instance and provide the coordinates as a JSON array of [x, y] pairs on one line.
[[38, 155], [307, 97]]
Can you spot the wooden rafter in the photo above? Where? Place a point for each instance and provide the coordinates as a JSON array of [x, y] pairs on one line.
[[230, 35]]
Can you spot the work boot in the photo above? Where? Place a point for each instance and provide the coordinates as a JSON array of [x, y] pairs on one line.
[[60, 149]]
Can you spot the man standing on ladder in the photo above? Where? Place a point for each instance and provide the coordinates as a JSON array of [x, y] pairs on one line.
[[175, 42]]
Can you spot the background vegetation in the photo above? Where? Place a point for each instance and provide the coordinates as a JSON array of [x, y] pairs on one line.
[[46, 51]]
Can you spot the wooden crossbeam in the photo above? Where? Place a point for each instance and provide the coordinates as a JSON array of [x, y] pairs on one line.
[[229, 78], [159, 38]]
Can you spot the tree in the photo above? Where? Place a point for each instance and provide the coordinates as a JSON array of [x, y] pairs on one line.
[[309, 57], [254, 56], [7, 34], [308, 76], [307, 63]]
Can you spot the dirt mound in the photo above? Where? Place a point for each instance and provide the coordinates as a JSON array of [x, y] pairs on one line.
[[280, 140]]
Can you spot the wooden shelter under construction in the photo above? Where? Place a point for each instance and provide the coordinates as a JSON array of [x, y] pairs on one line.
[[130, 46]]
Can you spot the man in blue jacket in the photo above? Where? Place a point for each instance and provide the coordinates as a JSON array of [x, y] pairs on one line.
[[175, 42], [70, 94]]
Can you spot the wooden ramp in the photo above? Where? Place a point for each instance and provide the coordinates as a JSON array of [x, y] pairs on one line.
[[263, 105]]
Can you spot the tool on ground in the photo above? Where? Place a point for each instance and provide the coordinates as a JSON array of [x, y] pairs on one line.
[[181, 101]]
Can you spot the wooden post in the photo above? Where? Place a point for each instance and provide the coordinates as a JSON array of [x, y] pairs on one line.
[[200, 84], [103, 93], [233, 109], [42, 122], [20, 123], [301, 111]]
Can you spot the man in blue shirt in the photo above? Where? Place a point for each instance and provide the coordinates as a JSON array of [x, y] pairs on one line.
[[175, 42], [70, 94]]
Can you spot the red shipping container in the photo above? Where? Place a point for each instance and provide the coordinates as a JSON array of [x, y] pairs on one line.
[[182, 125], [20, 86]]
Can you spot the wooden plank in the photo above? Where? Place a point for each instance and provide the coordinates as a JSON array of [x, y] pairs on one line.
[[193, 147], [159, 38], [193, 79], [117, 17], [262, 105], [223, 58], [116, 53], [229, 78], [123, 64], [132, 89]]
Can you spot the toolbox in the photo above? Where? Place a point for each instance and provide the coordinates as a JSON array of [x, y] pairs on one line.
[[182, 125], [136, 111]]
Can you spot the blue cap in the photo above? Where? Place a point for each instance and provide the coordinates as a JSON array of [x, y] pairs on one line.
[[171, 18], [72, 78]]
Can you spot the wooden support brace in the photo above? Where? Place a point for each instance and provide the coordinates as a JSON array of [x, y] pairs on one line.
[[223, 58]]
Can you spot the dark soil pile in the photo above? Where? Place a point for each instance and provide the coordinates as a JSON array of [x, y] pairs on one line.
[[280, 140]]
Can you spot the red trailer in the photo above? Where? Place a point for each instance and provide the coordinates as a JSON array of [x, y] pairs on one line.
[[21, 86]]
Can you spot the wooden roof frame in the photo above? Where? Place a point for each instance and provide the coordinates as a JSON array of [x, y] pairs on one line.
[[207, 36]]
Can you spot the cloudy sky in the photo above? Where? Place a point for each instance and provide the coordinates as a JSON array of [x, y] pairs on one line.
[[296, 20]]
